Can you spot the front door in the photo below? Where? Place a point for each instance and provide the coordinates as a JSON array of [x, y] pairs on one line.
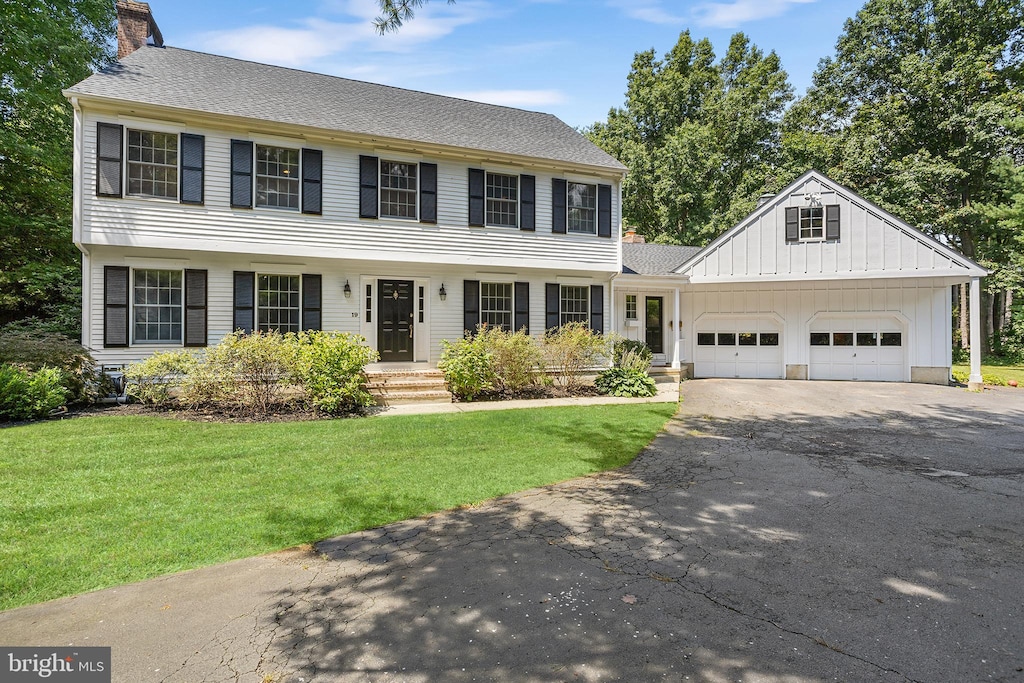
[[655, 333], [394, 320]]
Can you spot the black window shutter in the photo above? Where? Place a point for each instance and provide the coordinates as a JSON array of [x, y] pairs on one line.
[[312, 181], [476, 197], [241, 174], [832, 222], [597, 308], [245, 286], [311, 302], [792, 224], [552, 305], [522, 316], [195, 307], [115, 306], [527, 202], [109, 151], [193, 149], [604, 210], [367, 187], [470, 305], [428, 193], [558, 199]]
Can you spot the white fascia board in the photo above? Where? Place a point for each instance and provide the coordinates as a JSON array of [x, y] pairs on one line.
[[958, 275]]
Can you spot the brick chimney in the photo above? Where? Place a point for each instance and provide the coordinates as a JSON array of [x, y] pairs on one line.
[[134, 25], [631, 237]]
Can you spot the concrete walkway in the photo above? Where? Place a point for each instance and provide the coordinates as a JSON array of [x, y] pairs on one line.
[[777, 532]]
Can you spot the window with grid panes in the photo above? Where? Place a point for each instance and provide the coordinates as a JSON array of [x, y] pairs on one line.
[[277, 177], [496, 304], [277, 303], [812, 222], [575, 302], [152, 164], [631, 307], [397, 189], [502, 199], [582, 206], [156, 306]]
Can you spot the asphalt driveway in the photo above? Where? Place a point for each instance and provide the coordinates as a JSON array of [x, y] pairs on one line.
[[778, 531]]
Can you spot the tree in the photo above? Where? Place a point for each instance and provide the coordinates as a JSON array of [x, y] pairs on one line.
[[45, 46], [394, 13], [916, 112], [700, 138]]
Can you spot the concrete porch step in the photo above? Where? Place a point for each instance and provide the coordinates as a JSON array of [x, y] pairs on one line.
[[395, 387]]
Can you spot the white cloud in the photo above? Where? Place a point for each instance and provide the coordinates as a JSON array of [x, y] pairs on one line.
[[733, 14], [650, 11], [513, 98], [309, 41]]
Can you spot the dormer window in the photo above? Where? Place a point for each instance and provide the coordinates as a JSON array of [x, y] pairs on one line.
[[812, 222], [152, 164], [277, 177]]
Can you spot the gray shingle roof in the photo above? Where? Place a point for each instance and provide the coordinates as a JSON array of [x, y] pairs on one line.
[[654, 259], [221, 85]]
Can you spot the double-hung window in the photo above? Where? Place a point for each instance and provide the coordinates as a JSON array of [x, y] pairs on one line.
[[581, 202], [496, 304], [277, 303], [812, 223], [157, 306], [277, 177], [502, 200], [152, 164], [398, 185], [574, 305]]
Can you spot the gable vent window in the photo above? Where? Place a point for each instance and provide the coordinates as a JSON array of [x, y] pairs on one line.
[[397, 189], [502, 199], [277, 303], [812, 222], [582, 207], [277, 177], [157, 306], [152, 164]]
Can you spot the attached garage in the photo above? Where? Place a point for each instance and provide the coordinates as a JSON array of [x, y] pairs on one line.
[[858, 348], [739, 347]]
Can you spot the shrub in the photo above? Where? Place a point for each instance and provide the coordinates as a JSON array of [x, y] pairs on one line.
[[625, 382], [639, 351], [28, 395], [248, 372], [466, 364], [516, 361], [635, 360], [570, 350], [35, 351], [156, 380], [330, 368], [964, 376]]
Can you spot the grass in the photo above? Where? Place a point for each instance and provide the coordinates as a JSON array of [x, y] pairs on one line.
[[99, 501], [996, 368]]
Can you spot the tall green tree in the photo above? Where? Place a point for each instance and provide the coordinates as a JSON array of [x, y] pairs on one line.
[[701, 138], [44, 47]]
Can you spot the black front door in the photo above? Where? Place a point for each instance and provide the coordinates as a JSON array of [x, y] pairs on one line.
[[394, 320], [655, 333]]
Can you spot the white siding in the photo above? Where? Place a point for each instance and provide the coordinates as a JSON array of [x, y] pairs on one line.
[[339, 232]]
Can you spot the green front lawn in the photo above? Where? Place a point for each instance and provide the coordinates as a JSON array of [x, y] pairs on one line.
[[996, 368], [100, 501]]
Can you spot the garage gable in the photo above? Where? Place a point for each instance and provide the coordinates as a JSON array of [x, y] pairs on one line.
[[816, 229]]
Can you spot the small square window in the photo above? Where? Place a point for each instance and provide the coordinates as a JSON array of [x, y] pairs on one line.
[[812, 223], [748, 339], [842, 339], [892, 339], [727, 339], [867, 339], [820, 339], [705, 339], [769, 338]]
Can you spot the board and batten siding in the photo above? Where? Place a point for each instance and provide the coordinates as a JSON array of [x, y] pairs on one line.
[[339, 232], [869, 245], [926, 304], [444, 318]]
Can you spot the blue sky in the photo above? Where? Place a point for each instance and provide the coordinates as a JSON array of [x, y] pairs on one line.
[[566, 57]]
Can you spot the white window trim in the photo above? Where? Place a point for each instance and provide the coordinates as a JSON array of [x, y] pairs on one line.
[[519, 189], [380, 189], [636, 307], [561, 302], [512, 301], [126, 127], [256, 296], [800, 221], [255, 196], [131, 309], [597, 189]]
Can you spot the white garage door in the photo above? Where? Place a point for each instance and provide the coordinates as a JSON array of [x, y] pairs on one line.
[[869, 349], [738, 348]]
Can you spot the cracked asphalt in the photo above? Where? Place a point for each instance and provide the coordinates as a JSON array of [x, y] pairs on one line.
[[777, 532]]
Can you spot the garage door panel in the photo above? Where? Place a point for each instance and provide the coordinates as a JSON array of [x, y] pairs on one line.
[[738, 347], [863, 349]]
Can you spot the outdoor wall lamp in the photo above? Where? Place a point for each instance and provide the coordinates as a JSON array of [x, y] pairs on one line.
[[347, 289], [442, 293]]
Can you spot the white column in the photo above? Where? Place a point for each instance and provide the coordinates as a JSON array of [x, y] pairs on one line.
[[677, 350], [975, 383]]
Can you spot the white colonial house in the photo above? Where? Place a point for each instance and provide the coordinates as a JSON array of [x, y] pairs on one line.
[[213, 194]]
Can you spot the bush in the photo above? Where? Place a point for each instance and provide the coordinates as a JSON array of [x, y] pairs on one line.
[[27, 395], [516, 360], [35, 351], [330, 368], [156, 380], [625, 382], [466, 364], [639, 353], [964, 376], [570, 350], [248, 372]]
